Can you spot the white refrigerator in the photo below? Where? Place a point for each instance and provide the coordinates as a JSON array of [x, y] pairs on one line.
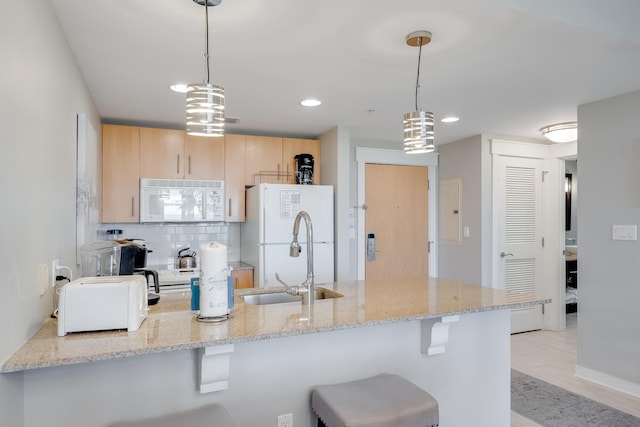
[[268, 231]]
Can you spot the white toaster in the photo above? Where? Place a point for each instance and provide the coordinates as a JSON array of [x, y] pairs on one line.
[[102, 303]]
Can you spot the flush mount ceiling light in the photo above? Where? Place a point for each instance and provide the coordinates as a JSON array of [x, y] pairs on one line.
[[418, 125], [561, 132], [205, 101]]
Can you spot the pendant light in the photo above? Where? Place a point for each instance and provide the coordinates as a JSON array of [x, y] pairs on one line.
[[418, 125], [205, 101]]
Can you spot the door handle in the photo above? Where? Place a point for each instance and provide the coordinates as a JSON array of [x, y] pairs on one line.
[[371, 247], [504, 254]]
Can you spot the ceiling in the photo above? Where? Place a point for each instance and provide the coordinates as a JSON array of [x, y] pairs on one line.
[[503, 66]]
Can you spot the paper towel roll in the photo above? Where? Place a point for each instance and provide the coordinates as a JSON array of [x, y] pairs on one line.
[[214, 300]]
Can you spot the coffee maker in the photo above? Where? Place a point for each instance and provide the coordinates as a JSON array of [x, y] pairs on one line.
[[304, 168], [118, 258]]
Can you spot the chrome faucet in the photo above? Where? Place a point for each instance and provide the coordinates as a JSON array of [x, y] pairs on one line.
[[305, 288]]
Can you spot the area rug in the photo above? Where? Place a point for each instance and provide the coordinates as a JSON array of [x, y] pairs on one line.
[[552, 406]]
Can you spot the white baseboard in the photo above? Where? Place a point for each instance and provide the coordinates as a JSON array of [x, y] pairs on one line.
[[608, 381]]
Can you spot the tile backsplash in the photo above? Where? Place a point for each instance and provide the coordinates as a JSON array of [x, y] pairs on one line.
[[165, 240]]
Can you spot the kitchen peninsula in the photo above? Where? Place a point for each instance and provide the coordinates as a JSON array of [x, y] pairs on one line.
[[279, 352]]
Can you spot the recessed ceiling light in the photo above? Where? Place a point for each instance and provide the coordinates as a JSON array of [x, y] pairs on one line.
[[310, 102], [179, 87], [450, 119]]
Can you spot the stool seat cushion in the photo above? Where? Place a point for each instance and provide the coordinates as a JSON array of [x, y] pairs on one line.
[[210, 415], [384, 400]]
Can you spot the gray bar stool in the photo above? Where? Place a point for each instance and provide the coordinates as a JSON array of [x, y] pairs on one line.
[[385, 400], [209, 415]]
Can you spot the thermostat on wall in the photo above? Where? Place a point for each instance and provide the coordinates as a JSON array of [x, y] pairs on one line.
[[625, 232]]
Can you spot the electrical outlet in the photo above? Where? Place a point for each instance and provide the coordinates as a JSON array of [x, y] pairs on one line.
[[54, 271], [285, 420]]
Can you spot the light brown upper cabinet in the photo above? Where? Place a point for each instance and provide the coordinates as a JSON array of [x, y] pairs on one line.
[[263, 160], [172, 154], [161, 153], [291, 147], [271, 159], [130, 153], [120, 173], [204, 157], [234, 178]]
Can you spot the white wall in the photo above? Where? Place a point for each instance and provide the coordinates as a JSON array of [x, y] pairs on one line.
[[608, 270], [334, 163], [41, 91], [462, 160], [268, 378]]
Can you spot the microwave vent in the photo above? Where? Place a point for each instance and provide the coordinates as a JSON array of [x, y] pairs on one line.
[[181, 183]]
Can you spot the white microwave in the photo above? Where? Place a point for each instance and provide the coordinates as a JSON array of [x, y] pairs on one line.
[[181, 200]]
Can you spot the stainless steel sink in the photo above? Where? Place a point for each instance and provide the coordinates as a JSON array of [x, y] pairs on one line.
[[283, 297]]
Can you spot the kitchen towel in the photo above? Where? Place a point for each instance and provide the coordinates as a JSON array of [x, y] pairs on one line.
[[195, 293], [214, 292]]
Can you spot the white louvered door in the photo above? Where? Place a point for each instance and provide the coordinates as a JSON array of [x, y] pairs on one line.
[[518, 191]]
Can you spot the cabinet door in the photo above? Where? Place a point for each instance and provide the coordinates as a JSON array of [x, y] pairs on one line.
[[234, 178], [161, 153], [263, 160], [242, 279], [120, 173], [204, 157], [293, 146]]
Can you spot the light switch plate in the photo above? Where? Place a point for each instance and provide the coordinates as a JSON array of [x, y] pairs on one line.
[[624, 232]]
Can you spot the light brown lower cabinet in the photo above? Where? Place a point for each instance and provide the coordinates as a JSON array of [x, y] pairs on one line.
[[242, 279]]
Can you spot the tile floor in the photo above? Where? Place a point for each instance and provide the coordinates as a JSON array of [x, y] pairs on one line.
[[551, 356]]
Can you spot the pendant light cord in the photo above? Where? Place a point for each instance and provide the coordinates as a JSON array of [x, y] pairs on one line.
[[418, 76], [206, 32]]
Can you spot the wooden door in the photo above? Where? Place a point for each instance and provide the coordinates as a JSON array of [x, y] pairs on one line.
[[204, 157], [234, 178], [263, 160], [518, 257], [397, 214], [120, 173], [293, 146], [161, 153]]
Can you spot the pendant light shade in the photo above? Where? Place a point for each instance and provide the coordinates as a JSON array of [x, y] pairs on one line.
[[205, 101], [418, 125], [418, 132], [205, 109]]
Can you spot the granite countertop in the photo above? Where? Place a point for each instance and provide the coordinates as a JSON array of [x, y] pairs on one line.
[[172, 326], [234, 265], [239, 265]]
